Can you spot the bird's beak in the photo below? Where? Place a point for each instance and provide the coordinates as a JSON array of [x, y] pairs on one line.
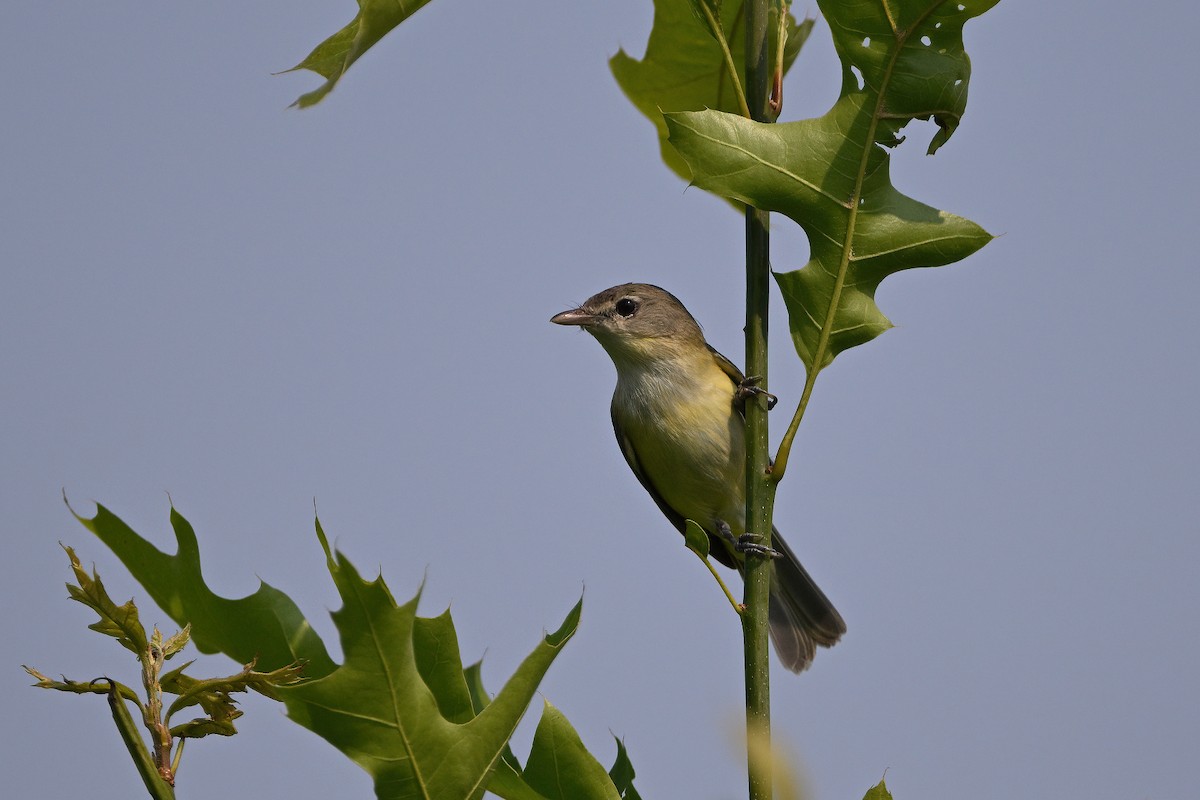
[[576, 316]]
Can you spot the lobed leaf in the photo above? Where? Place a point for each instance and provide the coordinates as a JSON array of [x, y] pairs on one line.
[[332, 57], [121, 622], [684, 69], [878, 792], [98, 686], [560, 767], [214, 694], [401, 705], [206, 726], [175, 643], [266, 626], [902, 60], [622, 773], [389, 714], [557, 745], [507, 781]]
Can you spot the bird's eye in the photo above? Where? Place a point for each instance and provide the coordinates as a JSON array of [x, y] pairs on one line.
[[626, 306]]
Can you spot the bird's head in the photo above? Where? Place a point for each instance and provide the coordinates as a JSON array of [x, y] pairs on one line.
[[637, 322]]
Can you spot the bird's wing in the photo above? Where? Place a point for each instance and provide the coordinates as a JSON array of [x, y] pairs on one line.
[[727, 366], [735, 376], [717, 547], [631, 458]]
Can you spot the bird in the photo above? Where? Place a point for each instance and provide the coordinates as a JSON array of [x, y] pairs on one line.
[[678, 415]]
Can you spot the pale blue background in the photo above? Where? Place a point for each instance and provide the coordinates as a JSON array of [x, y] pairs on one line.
[[206, 294]]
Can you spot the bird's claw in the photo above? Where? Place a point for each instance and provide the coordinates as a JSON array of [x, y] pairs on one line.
[[748, 543], [749, 388]]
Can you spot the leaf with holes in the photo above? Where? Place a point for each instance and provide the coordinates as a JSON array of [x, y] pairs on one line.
[[831, 174]]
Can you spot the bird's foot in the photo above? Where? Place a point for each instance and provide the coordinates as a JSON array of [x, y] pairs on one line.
[[749, 388], [748, 543]]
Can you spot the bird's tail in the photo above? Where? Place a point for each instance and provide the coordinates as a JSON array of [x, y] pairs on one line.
[[801, 616]]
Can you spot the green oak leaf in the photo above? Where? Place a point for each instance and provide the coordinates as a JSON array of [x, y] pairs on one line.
[[557, 745], [831, 174], [707, 11], [206, 726], [266, 625], [174, 644], [332, 57], [560, 767], [386, 706], [401, 705], [507, 781], [214, 695], [98, 686], [622, 773], [684, 70], [878, 792], [121, 622]]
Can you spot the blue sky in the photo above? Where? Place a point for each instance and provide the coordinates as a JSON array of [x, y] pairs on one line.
[[207, 294]]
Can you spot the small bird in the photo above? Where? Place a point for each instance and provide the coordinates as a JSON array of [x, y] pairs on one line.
[[678, 415]]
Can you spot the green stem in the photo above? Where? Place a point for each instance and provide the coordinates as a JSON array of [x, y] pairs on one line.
[[760, 490], [146, 767], [785, 446], [714, 25], [152, 663], [737, 607]]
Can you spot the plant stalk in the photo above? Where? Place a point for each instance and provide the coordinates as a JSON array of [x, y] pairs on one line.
[[158, 788], [759, 489]]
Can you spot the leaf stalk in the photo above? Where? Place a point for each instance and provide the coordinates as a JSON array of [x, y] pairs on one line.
[[847, 254], [713, 21], [738, 608]]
